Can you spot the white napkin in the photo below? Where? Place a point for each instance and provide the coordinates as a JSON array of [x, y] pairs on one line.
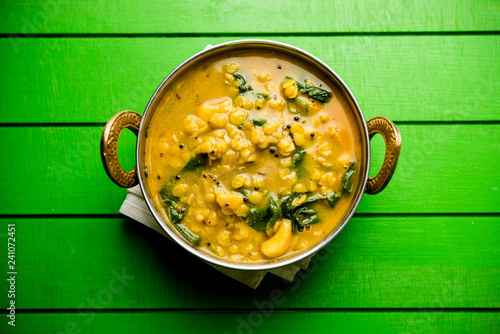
[[136, 208]]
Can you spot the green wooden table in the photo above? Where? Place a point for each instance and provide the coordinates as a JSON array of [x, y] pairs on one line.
[[423, 256]]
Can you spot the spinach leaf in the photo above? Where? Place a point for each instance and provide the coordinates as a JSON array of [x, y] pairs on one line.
[[199, 160], [260, 219], [347, 178], [298, 160], [317, 93], [194, 239], [286, 206], [314, 92], [174, 209], [332, 198], [306, 216], [242, 82], [275, 209], [259, 122], [312, 199], [260, 100], [174, 213], [302, 105], [298, 156], [257, 219], [300, 214], [244, 192], [261, 97]]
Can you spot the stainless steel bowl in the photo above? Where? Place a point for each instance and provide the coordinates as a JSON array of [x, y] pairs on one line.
[[139, 125]]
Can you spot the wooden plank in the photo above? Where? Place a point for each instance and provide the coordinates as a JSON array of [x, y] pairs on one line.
[[198, 16], [375, 262], [257, 321], [442, 169], [405, 78]]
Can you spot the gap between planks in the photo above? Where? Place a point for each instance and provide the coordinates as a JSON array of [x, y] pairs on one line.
[[244, 310], [357, 215], [101, 124], [246, 35]]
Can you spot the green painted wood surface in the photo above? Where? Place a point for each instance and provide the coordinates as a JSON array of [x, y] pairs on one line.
[[405, 78], [266, 321], [375, 262], [442, 169], [224, 16], [421, 257]]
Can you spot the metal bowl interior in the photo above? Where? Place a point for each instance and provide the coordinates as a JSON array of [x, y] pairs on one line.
[[265, 46]]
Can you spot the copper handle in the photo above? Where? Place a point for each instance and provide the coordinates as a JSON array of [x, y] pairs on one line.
[[126, 119], [392, 139]]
